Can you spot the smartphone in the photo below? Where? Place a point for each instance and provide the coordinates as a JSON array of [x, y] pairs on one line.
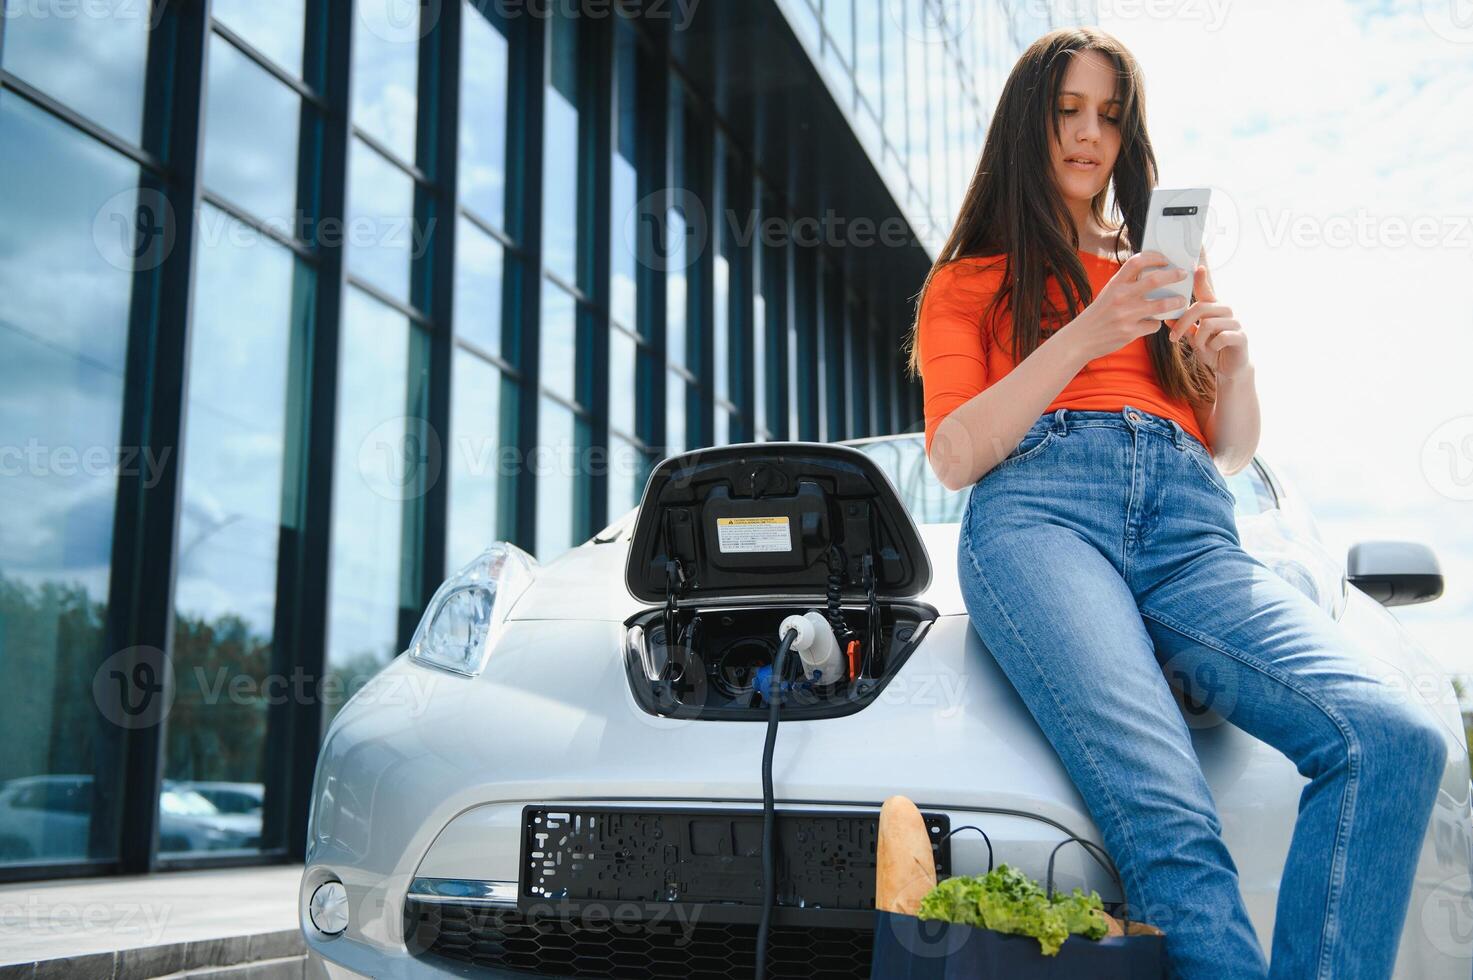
[[1175, 224]]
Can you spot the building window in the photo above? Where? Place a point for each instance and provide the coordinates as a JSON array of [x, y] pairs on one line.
[[49, 51], [251, 314], [385, 457], [379, 476], [63, 341], [251, 125]]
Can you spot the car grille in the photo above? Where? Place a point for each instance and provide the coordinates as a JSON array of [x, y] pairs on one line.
[[506, 939]]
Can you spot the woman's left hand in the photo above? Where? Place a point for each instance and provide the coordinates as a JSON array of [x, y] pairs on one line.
[[1217, 338]]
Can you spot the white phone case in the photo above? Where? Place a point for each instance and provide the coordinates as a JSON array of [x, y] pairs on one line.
[[1175, 224]]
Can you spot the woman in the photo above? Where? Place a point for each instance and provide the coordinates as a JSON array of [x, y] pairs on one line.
[[1099, 552]]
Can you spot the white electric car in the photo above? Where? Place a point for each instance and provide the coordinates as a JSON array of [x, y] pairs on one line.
[[562, 776]]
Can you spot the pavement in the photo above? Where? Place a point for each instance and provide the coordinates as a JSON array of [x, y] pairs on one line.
[[235, 923]]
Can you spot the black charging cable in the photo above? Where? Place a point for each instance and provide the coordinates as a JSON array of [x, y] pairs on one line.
[[769, 878]]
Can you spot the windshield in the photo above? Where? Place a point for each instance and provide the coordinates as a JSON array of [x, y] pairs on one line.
[[904, 462], [903, 458]]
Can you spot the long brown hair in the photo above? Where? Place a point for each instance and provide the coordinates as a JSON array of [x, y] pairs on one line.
[[1014, 209]]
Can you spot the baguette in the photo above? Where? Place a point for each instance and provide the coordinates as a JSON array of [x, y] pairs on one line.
[[905, 866]]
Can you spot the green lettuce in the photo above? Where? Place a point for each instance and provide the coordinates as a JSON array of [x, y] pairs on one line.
[[1007, 900]]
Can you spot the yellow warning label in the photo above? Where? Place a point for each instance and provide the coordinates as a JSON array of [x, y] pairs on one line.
[[750, 534]]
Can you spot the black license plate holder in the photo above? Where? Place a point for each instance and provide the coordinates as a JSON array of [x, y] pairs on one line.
[[640, 863]]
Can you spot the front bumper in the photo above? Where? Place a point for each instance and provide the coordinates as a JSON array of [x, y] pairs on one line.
[[443, 933]]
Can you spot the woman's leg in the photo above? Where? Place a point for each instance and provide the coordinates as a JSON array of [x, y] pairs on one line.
[[1283, 673], [1062, 623]]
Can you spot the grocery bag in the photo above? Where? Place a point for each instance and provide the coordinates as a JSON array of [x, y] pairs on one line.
[[910, 948]]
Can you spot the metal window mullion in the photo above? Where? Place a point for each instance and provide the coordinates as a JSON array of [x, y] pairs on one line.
[[601, 109], [263, 228], [141, 587], [859, 387], [489, 229], [838, 374], [439, 102], [524, 199], [306, 576], [822, 426], [407, 310], [490, 357], [775, 329], [652, 185], [283, 76], [700, 283], [141, 155], [741, 311], [378, 146]]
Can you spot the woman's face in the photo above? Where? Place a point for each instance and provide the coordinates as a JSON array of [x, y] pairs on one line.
[[1089, 127]]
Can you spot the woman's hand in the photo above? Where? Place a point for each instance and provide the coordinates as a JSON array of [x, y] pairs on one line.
[[1121, 312], [1217, 338]]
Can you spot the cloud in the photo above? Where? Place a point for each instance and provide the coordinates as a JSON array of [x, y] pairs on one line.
[[1333, 133]]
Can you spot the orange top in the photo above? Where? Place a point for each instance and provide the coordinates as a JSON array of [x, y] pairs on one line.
[[958, 358]]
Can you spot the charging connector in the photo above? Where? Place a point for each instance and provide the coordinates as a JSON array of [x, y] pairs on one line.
[[823, 661]]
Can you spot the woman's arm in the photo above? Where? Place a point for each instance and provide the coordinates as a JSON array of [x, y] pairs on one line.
[[977, 434], [1232, 424]]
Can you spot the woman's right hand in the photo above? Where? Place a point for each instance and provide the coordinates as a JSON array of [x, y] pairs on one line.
[[1121, 312]]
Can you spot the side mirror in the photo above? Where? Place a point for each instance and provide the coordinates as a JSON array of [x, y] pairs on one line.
[[1394, 573]]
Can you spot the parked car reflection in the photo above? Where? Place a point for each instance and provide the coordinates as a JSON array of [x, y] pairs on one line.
[[49, 818]]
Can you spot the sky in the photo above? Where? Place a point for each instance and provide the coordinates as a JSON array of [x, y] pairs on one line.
[[1338, 139]]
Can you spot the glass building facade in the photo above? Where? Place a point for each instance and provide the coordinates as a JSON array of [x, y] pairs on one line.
[[303, 303]]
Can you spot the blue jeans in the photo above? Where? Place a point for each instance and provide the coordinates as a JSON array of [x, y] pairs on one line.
[[1102, 556]]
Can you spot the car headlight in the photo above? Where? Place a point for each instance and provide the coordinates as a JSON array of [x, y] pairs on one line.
[[459, 626]]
